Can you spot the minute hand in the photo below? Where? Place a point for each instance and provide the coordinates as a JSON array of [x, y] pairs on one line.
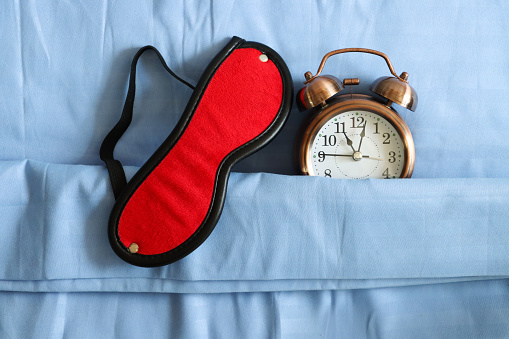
[[363, 134]]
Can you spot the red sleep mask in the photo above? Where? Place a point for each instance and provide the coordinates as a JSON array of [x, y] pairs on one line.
[[174, 201]]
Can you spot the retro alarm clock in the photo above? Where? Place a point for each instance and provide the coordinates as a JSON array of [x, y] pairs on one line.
[[356, 136]]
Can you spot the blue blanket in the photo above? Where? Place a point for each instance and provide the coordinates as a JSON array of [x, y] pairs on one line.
[[292, 256]]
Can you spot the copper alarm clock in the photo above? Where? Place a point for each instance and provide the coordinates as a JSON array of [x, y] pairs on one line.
[[356, 136]]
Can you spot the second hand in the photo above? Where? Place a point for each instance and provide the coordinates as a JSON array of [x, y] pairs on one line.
[[350, 155]]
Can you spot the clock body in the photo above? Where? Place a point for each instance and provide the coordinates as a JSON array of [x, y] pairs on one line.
[[356, 136]]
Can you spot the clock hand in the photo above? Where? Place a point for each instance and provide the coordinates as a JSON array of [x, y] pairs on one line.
[[363, 134], [367, 156], [338, 155], [349, 142], [349, 155]]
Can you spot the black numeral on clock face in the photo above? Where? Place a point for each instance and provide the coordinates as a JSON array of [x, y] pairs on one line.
[[357, 122], [392, 157], [376, 128], [342, 127], [387, 136], [329, 140], [321, 156], [328, 173], [386, 173]]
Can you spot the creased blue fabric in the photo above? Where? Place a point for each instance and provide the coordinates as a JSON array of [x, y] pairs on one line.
[[460, 310], [314, 233]]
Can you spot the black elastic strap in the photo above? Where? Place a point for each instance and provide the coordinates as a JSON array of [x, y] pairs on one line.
[[115, 169]]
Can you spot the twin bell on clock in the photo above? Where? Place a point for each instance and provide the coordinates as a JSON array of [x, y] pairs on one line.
[[356, 136]]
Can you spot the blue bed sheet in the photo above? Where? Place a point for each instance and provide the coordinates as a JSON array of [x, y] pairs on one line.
[[429, 230], [291, 256], [460, 310]]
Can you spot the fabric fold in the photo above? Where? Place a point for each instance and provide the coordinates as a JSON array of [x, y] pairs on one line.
[[276, 233]]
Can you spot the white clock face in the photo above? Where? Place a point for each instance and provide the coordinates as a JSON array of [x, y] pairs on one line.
[[357, 145]]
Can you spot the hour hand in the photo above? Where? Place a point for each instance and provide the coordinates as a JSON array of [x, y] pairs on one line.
[[349, 142]]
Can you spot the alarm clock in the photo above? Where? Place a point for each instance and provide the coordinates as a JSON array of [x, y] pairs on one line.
[[356, 136]]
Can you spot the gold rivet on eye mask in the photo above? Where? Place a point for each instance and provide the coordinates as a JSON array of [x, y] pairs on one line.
[[133, 248], [264, 58]]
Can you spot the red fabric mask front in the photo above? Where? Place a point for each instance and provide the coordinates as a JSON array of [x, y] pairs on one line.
[[172, 204]]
